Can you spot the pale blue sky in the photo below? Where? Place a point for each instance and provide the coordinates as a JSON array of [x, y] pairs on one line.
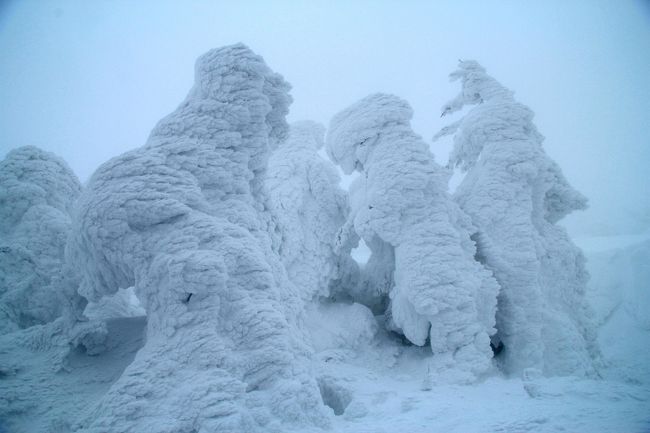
[[89, 79]]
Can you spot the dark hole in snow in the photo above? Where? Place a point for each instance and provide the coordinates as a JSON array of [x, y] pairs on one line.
[[497, 347], [189, 296], [404, 341], [478, 256], [81, 349], [334, 395]]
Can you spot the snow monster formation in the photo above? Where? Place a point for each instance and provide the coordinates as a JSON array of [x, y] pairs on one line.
[[37, 190], [515, 195], [439, 292], [183, 220], [310, 208]]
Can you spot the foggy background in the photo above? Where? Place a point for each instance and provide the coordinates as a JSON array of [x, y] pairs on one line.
[[88, 80]]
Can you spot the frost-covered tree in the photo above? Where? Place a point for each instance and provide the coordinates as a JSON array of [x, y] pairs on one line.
[[309, 208], [515, 194], [183, 220], [37, 190], [403, 212]]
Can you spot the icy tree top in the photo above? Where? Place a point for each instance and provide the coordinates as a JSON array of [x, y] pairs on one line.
[[501, 129], [236, 97], [29, 177], [210, 154], [235, 76], [477, 87], [497, 116], [353, 131]]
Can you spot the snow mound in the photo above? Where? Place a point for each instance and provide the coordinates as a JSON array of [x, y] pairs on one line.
[[183, 220], [438, 293], [340, 327], [37, 190], [515, 194]]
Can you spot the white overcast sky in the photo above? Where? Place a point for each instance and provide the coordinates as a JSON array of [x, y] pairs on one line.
[[88, 80]]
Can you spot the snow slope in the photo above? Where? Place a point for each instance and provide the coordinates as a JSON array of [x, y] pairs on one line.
[[47, 387], [383, 385]]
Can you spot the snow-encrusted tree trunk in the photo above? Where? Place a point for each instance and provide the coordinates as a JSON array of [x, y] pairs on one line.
[[440, 292], [183, 220], [515, 194], [309, 208], [37, 191]]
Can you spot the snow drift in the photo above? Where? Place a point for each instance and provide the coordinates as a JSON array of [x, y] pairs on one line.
[[515, 195], [183, 220], [402, 209]]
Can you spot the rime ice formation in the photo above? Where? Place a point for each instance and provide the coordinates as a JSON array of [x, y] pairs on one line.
[[402, 208], [124, 303], [183, 220], [37, 190], [309, 208], [515, 194]]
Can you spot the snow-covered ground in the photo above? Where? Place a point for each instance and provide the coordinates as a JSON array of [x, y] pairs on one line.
[[386, 392], [378, 385]]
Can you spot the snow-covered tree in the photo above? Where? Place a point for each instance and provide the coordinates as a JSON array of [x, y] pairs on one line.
[[183, 220], [404, 213], [515, 194], [309, 208], [37, 190]]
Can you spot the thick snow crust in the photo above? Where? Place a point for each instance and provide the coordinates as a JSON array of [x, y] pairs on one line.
[[309, 208], [515, 194], [37, 191], [402, 210], [183, 220]]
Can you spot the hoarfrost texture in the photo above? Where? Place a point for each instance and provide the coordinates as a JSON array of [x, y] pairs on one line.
[[402, 210], [515, 194], [37, 190], [183, 220], [310, 208]]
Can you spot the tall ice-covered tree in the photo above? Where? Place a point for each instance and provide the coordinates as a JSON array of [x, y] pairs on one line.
[[309, 207], [515, 195], [183, 219], [439, 294], [37, 191]]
